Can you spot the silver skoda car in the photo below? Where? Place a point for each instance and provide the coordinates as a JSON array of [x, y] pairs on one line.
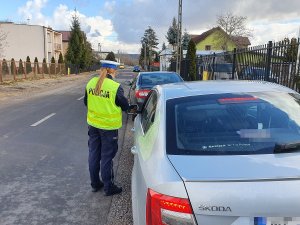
[[217, 153]]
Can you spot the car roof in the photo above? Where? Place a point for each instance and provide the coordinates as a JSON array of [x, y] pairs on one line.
[[184, 89], [158, 72]]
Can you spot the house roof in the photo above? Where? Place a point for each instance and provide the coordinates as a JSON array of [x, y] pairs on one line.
[[65, 35], [201, 37], [238, 40], [241, 41]]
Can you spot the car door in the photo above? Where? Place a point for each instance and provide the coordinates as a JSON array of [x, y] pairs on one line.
[[132, 92], [143, 124]]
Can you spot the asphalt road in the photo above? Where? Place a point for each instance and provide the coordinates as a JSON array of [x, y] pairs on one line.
[[44, 175]]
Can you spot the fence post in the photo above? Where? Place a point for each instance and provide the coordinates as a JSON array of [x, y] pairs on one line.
[[35, 69], [1, 80], [43, 71], [233, 63], [213, 67], [298, 59], [14, 70], [269, 57], [25, 69]]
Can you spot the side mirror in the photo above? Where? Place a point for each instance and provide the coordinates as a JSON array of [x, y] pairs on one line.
[[133, 110], [128, 82]]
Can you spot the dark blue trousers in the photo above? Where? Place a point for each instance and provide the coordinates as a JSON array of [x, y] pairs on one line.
[[103, 146]]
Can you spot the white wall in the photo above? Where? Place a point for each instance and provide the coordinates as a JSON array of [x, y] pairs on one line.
[[22, 41]]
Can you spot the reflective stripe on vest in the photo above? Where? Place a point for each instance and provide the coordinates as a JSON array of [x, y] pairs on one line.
[[103, 113]]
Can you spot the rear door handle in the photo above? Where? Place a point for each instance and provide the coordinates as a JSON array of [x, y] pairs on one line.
[[133, 150]]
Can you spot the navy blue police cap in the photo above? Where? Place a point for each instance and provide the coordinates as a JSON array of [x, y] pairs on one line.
[[109, 64]]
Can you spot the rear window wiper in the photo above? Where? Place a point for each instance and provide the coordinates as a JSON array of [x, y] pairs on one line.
[[287, 147]]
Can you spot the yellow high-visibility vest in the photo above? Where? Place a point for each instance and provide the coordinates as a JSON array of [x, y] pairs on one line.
[[103, 113]]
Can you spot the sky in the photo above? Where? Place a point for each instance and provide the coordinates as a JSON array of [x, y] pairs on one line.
[[119, 25]]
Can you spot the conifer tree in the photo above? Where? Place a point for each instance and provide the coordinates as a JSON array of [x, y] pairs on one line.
[[150, 42], [191, 56], [111, 56], [36, 65], [60, 58], [52, 66], [75, 49], [21, 67], [13, 66], [5, 69], [172, 33], [185, 40], [79, 51], [28, 65], [45, 67]]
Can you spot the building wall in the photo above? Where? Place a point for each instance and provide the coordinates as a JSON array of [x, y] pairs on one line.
[[30, 40], [54, 44], [65, 46], [22, 41], [215, 42]]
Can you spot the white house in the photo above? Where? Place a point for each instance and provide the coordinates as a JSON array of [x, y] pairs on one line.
[[165, 59], [24, 40]]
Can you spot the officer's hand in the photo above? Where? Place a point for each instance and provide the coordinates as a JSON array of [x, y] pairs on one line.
[[133, 108]]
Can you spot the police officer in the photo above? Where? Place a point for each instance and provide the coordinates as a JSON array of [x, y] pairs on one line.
[[105, 102]]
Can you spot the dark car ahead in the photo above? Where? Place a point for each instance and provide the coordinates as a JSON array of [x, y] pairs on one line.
[[136, 69], [144, 82], [255, 73]]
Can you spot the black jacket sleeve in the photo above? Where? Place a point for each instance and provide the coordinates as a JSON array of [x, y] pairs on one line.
[[85, 98], [121, 100]]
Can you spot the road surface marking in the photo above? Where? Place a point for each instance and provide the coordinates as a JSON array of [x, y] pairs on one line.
[[42, 120], [80, 98]]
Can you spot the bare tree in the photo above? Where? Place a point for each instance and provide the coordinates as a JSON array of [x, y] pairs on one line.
[[3, 42], [234, 26]]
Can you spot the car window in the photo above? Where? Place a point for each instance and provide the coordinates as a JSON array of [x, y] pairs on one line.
[[148, 112], [152, 79], [232, 124]]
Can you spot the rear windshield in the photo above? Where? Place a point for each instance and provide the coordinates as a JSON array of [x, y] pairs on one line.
[[150, 80], [232, 124]]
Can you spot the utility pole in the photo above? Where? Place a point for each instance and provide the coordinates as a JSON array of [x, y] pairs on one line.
[[178, 61]]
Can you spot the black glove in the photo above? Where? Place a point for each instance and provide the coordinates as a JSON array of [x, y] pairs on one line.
[[132, 107]]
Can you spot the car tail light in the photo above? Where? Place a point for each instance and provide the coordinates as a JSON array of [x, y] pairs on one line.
[[167, 210], [142, 93]]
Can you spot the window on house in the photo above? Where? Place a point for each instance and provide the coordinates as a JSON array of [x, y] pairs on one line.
[[207, 47]]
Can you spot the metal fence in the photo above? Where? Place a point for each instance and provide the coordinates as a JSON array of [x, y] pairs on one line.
[[275, 62]]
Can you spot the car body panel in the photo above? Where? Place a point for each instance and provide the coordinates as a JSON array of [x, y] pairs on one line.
[[265, 198], [177, 90], [223, 168], [250, 185], [151, 169]]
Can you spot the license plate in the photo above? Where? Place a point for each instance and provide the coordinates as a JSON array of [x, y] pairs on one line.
[[277, 221]]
